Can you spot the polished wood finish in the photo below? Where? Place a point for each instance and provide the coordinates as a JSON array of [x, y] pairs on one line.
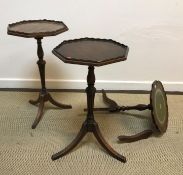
[[158, 103], [133, 138], [90, 125], [44, 96], [114, 107], [91, 52], [38, 29]]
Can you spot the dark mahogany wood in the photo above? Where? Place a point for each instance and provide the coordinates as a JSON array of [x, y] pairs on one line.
[[91, 52], [90, 125], [158, 106], [114, 107], [133, 138], [158, 101], [38, 29]]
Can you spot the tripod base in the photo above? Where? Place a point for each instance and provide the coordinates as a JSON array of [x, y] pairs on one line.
[[44, 97], [89, 126]]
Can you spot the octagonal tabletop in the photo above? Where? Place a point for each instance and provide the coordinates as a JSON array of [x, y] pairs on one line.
[[36, 28], [91, 51]]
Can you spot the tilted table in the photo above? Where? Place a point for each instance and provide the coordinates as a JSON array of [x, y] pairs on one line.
[[159, 112], [38, 29], [91, 52]]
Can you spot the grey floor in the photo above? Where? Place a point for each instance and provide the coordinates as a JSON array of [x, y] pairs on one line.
[[24, 151]]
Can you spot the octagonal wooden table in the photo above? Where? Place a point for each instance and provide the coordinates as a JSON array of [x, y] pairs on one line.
[[91, 52], [38, 29]]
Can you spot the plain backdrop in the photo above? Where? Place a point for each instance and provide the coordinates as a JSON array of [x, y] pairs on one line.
[[153, 30]]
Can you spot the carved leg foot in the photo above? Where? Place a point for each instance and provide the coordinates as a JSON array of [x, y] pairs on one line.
[[106, 146], [44, 97], [72, 145], [39, 114], [111, 103], [60, 105], [142, 135], [35, 102]]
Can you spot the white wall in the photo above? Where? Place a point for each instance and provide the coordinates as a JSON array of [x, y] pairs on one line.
[[153, 30]]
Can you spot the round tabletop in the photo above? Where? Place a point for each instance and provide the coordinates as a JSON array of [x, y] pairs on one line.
[[36, 28], [91, 51], [159, 104]]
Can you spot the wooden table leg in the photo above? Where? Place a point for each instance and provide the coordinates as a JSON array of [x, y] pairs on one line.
[[90, 125], [44, 96]]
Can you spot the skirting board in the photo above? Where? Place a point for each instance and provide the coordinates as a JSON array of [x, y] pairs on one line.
[[81, 84]]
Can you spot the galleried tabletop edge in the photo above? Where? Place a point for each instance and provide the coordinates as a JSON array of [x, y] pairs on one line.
[[38, 34], [90, 62]]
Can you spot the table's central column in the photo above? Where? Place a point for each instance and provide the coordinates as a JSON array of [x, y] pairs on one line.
[[90, 90], [41, 63]]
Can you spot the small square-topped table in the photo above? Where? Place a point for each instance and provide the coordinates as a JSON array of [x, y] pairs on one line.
[[91, 52], [38, 29]]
